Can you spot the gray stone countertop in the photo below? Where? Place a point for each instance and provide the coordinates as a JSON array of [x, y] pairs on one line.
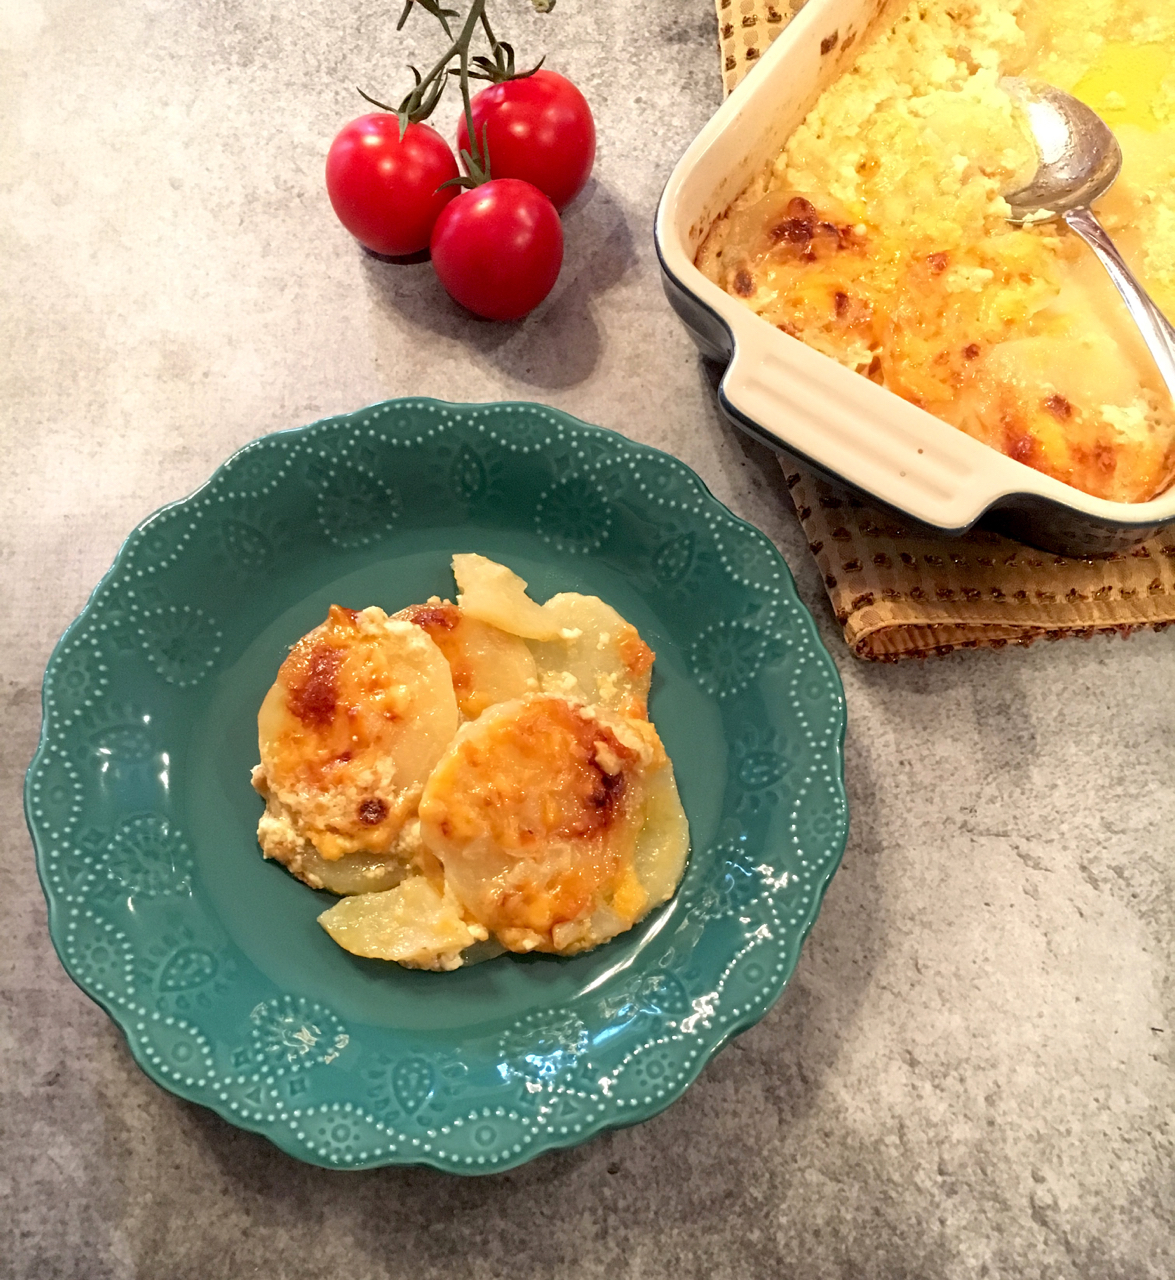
[[971, 1072]]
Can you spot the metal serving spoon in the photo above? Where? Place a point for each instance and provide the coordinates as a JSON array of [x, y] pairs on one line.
[[1079, 160]]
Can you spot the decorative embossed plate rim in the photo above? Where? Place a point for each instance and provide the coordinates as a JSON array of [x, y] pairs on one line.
[[137, 799]]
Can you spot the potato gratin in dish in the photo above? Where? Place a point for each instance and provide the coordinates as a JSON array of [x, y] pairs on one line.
[[880, 234], [471, 778]]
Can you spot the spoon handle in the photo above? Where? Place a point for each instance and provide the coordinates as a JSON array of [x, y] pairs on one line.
[[1155, 328]]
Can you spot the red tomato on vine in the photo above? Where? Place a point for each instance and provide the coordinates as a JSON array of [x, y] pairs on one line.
[[538, 128], [385, 188], [498, 247]]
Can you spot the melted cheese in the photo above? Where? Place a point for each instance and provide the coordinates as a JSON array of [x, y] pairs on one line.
[[544, 822], [604, 661], [536, 812], [359, 714], [1125, 84], [880, 236]]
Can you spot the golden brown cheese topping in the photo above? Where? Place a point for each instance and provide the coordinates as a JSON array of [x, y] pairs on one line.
[[360, 712], [534, 813], [546, 820], [880, 236]]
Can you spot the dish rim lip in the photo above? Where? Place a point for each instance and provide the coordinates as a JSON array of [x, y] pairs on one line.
[[1023, 484], [548, 1142]]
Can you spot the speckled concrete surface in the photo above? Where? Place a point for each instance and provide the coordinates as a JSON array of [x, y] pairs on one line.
[[971, 1073]]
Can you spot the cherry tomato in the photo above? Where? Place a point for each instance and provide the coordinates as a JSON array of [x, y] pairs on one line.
[[540, 130], [384, 188], [498, 248]]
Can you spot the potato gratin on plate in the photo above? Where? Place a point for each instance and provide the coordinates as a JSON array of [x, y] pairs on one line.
[[473, 778], [458, 771]]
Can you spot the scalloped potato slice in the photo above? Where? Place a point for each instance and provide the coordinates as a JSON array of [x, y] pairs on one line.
[[495, 594], [662, 846], [582, 647], [605, 661], [555, 823], [359, 714], [488, 664], [414, 924]]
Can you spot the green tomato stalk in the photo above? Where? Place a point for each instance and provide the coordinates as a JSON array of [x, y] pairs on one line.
[[422, 99]]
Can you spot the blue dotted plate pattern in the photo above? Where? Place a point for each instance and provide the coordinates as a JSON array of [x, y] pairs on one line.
[[209, 958]]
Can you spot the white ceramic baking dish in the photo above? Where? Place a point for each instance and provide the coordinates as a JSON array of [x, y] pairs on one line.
[[796, 399]]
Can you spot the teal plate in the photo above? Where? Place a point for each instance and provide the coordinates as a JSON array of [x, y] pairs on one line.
[[210, 959]]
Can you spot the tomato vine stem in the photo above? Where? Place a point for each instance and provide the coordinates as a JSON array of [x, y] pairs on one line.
[[422, 99]]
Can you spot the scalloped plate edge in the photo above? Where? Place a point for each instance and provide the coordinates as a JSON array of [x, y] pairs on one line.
[[280, 1134]]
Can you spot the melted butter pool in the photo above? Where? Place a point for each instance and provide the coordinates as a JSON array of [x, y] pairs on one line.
[[1125, 86]]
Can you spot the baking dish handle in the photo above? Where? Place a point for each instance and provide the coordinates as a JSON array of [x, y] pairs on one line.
[[781, 391]]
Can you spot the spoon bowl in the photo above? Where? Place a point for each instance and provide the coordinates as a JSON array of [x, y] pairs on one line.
[[1079, 156]]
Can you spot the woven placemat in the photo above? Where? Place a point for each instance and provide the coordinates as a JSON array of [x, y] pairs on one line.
[[901, 592]]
